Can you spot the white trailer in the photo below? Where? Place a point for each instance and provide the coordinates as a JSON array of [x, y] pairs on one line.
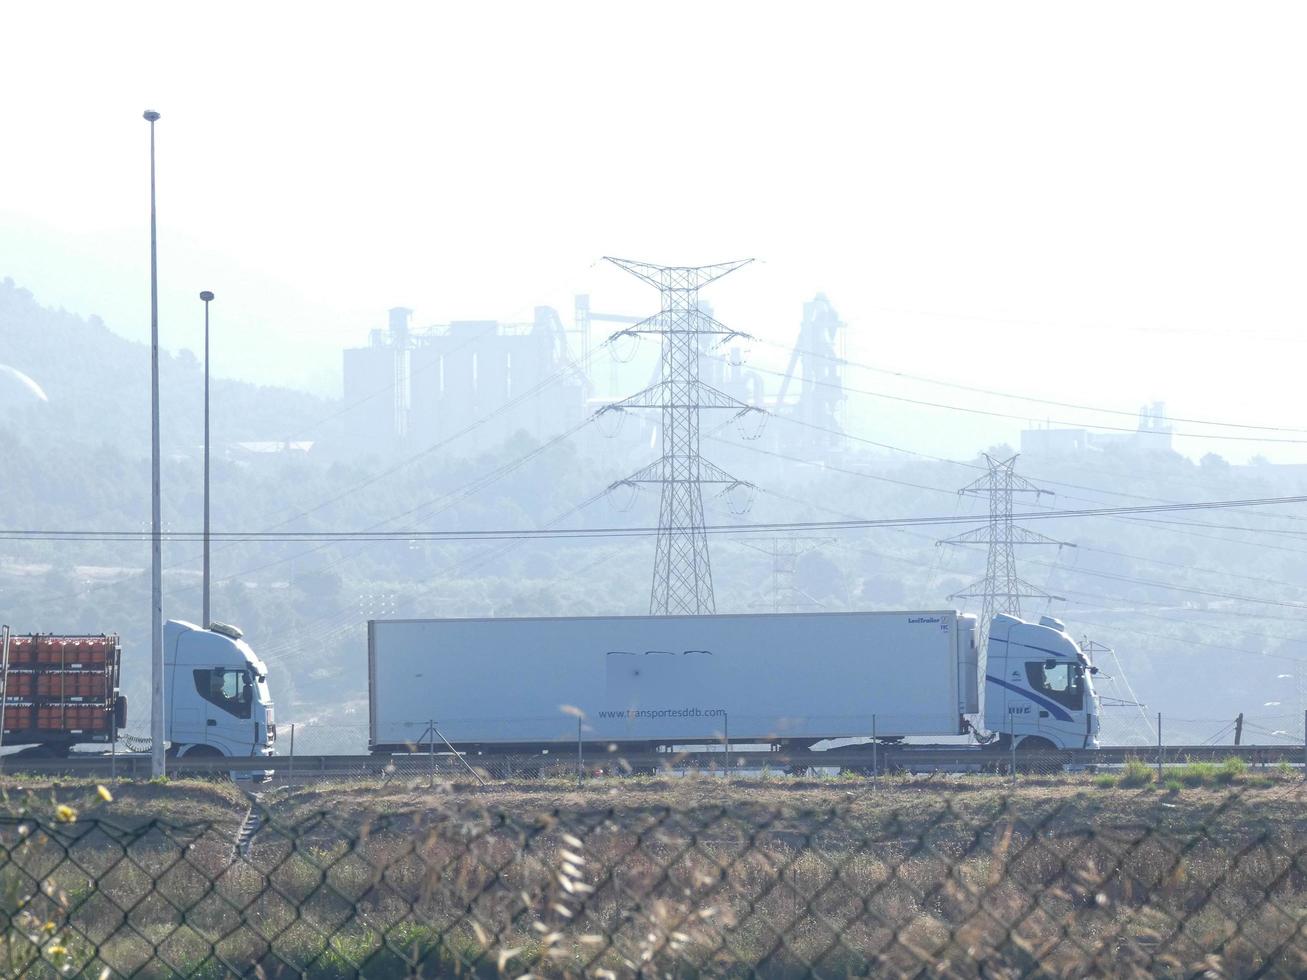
[[656, 681]]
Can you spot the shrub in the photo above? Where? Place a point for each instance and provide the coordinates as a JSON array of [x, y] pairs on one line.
[[1104, 780], [1136, 773], [1231, 770], [1197, 773]]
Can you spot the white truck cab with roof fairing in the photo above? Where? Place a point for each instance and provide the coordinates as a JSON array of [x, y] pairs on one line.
[[217, 701], [1038, 686]]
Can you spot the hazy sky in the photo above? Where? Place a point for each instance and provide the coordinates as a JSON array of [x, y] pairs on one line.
[[1101, 203]]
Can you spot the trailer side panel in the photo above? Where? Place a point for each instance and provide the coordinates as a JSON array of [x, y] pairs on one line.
[[666, 679]]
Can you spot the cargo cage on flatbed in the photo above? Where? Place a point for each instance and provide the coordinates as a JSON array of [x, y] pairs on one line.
[[61, 689]]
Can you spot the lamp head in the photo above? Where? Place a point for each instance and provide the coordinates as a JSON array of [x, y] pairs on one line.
[[206, 296], [151, 115]]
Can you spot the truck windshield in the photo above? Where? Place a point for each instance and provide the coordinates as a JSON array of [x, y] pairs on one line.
[[1060, 681]]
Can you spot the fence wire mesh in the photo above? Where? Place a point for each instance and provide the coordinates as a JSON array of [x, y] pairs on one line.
[[918, 883]]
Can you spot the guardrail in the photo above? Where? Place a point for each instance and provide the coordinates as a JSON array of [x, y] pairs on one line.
[[862, 759]]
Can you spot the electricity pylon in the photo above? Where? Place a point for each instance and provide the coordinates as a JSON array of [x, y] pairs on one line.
[[782, 594], [682, 575], [1002, 589]]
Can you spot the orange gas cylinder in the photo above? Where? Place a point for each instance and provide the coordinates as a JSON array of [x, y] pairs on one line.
[[20, 684], [20, 650], [50, 650], [85, 684]]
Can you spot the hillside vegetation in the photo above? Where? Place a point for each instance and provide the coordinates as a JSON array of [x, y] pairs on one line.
[[1202, 609]]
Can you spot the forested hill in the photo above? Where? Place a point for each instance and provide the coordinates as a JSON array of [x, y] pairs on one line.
[[98, 388]]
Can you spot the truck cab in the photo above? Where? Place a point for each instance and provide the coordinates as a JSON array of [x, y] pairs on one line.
[[217, 699], [1039, 689]]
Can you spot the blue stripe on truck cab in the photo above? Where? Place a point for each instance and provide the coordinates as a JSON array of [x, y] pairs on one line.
[[1055, 709]]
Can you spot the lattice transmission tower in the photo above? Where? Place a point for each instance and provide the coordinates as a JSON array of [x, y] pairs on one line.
[[1002, 589], [682, 574], [782, 594]]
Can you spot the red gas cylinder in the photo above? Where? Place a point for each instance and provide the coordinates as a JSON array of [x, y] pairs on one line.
[[50, 650], [20, 684], [20, 650]]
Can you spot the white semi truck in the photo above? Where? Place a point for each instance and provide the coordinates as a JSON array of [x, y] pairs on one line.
[[653, 682]]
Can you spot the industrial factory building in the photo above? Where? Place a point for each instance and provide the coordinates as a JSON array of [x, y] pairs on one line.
[[415, 388], [419, 387]]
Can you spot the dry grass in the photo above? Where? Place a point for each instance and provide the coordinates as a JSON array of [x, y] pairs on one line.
[[216, 801], [687, 877]]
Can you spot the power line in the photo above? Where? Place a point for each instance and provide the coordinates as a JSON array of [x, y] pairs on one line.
[[915, 563], [440, 444], [1043, 401], [509, 533], [470, 428], [1081, 547], [1058, 483], [1026, 418], [1109, 575]]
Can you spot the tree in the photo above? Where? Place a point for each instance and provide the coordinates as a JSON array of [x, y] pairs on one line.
[[1214, 463]]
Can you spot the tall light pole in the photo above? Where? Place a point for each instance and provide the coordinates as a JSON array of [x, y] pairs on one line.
[[156, 519], [208, 298]]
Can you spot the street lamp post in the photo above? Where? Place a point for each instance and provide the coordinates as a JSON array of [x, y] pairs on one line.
[[156, 522], [208, 298]]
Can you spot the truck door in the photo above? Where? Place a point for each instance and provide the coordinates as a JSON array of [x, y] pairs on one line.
[[228, 695], [1059, 689], [187, 711]]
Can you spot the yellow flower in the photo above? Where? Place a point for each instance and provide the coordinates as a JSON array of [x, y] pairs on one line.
[[48, 927], [104, 793], [56, 950], [65, 814]]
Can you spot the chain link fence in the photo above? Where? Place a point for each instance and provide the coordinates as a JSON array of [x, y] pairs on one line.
[[926, 885]]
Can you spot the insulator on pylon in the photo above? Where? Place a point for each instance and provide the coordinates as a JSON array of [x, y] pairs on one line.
[[623, 347], [621, 496], [610, 421], [751, 424], [740, 498]]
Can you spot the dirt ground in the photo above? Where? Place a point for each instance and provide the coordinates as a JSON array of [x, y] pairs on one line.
[[1272, 803]]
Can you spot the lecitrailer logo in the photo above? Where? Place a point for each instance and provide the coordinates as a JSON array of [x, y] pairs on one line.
[[923, 619]]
